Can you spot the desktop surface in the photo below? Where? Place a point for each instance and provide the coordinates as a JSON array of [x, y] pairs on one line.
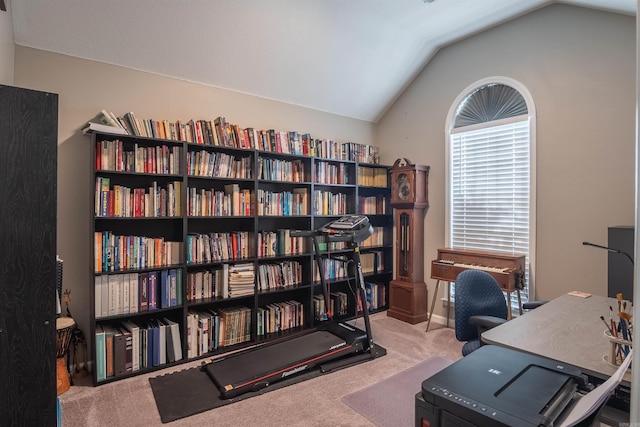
[[568, 329]]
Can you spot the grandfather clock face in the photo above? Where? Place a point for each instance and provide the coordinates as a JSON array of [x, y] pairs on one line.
[[403, 190], [403, 187], [409, 185]]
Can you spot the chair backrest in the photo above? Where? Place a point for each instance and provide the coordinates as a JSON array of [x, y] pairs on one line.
[[477, 293]]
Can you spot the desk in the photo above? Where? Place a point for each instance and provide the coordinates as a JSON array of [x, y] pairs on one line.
[[567, 329]]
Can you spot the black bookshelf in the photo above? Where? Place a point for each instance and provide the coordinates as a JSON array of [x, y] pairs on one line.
[[272, 192]]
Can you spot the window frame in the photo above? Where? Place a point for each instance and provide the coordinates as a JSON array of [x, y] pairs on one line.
[[450, 120]]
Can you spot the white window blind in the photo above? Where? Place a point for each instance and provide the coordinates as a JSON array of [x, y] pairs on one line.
[[490, 187]]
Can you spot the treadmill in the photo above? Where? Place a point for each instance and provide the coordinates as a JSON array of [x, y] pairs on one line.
[[331, 346]]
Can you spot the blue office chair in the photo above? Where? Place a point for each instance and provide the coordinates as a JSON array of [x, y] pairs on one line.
[[479, 305]]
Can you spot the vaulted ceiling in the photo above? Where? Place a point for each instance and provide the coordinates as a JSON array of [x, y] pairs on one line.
[[348, 57]]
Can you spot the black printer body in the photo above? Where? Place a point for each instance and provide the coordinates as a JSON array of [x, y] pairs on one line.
[[496, 386]]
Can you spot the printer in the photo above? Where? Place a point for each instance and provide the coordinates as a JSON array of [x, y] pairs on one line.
[[497, 386]]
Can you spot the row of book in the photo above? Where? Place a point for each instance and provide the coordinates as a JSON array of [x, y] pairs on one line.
[[372, 262], [376, 294], [118, 253], [372, 177], [281, 170], [338, 305], [241, 279], [207, 132], [279, 275], [352, 151], [332, 268], [291, 142], [129, 347], [233, 201], [205, 284], [325, 246], [338, 301], [280, 242], [362, 153], [280, 316], [376, 238], [219, 165], [156, 201], [111, 155], [228, 281], [373, 205], [330, 173], [328, 203], [208, 330], [117, 294], [285, 203], [121, 201], [219, 132], [215, 247], [329, 149], [158, 159]]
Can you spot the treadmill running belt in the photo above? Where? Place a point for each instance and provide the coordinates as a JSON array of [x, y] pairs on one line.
[[255, 369]]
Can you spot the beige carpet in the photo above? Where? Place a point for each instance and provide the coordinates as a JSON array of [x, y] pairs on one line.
[[316, 402]]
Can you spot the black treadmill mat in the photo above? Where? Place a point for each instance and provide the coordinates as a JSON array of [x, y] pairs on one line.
[[185, 393]]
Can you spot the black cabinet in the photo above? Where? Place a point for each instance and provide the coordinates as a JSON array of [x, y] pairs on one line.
[[28, 174], [620, 267]]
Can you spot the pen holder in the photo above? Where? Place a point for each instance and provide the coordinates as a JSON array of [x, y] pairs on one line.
[[618, 348]]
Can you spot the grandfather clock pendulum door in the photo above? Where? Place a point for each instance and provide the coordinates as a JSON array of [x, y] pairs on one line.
[[410, 200]]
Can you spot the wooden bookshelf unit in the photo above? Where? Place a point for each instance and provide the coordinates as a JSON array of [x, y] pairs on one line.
[[192, 249]]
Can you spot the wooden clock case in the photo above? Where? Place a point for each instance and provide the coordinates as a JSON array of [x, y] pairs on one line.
[[408, 291]]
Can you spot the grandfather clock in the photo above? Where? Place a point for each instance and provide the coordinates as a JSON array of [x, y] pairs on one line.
[[410, 200]]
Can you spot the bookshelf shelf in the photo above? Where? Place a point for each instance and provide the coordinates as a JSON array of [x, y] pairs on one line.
[[198, 260]]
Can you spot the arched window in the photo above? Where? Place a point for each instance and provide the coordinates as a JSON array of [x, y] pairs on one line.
[[491, 165]]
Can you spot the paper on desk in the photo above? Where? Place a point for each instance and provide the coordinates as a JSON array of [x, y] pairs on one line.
[[590, 402]]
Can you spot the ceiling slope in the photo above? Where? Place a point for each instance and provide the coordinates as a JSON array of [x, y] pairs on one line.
[[347, 57]]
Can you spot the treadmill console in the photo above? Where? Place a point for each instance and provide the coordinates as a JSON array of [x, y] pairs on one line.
[[349, 228], [349, 222]]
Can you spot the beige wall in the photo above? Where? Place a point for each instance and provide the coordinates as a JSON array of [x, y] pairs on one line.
[[86, 87], [6, 46], [579, 66]]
